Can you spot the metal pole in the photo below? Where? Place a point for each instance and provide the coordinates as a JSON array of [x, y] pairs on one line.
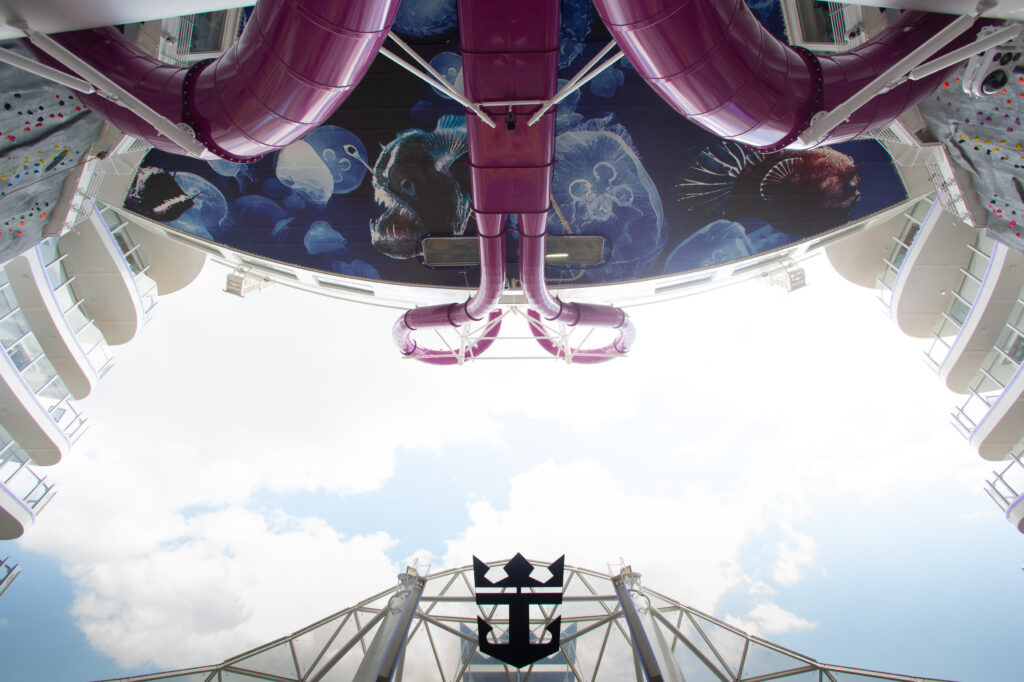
[[965, 52], [333, 660], [824, 123], [396, 644], [641, 645], [689, 645], [180, 134], [441, 82], [32, 66], [578, 82]]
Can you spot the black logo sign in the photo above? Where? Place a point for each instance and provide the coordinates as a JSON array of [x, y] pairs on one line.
[[519, 652]]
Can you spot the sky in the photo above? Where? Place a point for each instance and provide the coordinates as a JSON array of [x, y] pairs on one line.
[[782, 460]]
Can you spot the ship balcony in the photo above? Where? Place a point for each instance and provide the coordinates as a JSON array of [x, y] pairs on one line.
[[35, 406], [171, 264], [1006, 488], [8, 574], [992, 415], [23, 492], [976, 311], [925, 259], [59, 317], [109, 272]]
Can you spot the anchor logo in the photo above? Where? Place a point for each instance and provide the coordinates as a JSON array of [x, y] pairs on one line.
[[519, 652]]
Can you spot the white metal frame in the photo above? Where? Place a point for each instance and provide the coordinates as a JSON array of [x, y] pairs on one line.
[[429, 75], [596, 643], [460, 341]]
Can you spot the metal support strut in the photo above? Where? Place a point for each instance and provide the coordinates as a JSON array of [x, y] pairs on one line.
[[825, 122], [385, 651], [180, 134], [656, 660]]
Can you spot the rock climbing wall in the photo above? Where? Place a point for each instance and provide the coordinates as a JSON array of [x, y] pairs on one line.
[[44, 134]]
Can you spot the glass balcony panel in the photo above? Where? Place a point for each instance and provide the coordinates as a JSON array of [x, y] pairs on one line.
[[974, 410], [1002, 370], [147, 290], [207, 31], [76, 318], [969, 290], [19, 478], [958, 311], [48, 250], [26, 352], [978, 266], [921, 209], [947, 328], [12, 329], [899, 253]]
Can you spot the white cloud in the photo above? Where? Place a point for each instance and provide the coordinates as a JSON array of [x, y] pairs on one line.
[[580, 510], [793, 555], [738, 414], [770, 619], [230, 580]]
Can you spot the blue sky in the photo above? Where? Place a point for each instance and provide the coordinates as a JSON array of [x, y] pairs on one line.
[[781, 460]]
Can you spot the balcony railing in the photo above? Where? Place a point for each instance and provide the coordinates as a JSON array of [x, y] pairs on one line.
[[999, 369], [961, 300], [902, 242], [8, 573], [145, 287], [34, 491], [185, 40], [26, 356], [72, 306], [1007, 486], [826, 26]]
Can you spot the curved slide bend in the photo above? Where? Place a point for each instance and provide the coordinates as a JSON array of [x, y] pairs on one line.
[[491, 238], [295, 63], [510, 53], [713, 62]]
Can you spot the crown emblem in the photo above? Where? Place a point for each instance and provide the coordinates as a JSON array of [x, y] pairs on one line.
[[519, 651]]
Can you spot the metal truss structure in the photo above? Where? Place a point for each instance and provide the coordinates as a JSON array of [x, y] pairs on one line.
[[613, 629], [567, 343]]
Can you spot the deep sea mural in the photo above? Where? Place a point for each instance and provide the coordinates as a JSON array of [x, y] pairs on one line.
[[358, 195]]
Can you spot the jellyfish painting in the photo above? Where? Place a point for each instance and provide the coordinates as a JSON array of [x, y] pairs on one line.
[[280, 232], [721, 241], [565, 114], [322, 238], [239, 171], [449, 65], [209, 212], [607, 82], [357, 268], [253, 209], [300, 168], [426, 19], [600, 187], [344, 155], [573, 30]]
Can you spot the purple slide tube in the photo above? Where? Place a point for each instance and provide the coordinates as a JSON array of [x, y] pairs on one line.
[[491, 239], [714, 63], [294, 64], [532, 238]]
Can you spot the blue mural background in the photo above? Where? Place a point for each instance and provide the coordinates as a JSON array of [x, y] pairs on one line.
[[666, 195]]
